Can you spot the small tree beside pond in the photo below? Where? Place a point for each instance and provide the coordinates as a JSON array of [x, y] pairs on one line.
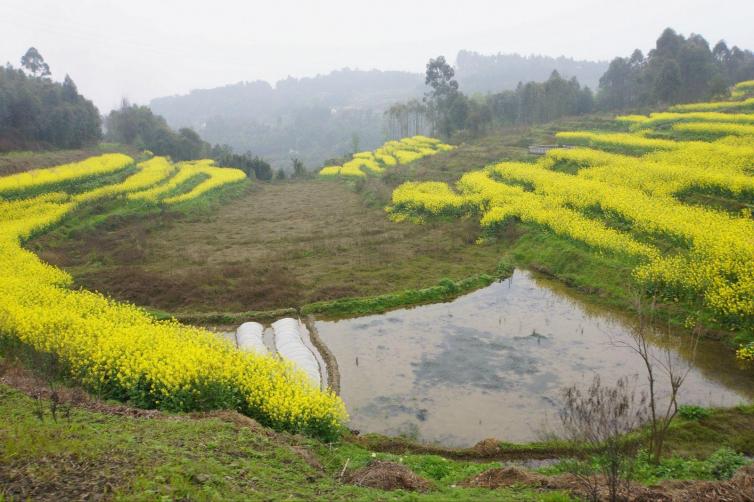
[[600, 419], [659, 361]]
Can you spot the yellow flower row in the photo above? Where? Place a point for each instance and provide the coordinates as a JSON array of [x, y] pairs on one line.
[[716, 129], [660, 174], [38, 178], [216, 177], [120, 351], [630, 143], [391, 153], [663, 118], [625, 203], [745, 105]]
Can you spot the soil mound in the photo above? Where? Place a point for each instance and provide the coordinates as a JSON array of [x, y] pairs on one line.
[[504, 476], [388, 476], [489, 447]]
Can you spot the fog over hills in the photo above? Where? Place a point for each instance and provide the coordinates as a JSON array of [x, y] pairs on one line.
[[316, 118]]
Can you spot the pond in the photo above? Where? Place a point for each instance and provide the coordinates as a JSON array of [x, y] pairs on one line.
[[494, 362]]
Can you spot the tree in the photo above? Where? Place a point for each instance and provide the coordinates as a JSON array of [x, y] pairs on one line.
[[138, 126], [35, 63], [668, 82], [659, 361], [446, 113], [721, 53], [407, 119], [439, 76], [355, 140], [599, 418], [299, 171], [253, 166], [70, 91], [669, 44], [280, 174]]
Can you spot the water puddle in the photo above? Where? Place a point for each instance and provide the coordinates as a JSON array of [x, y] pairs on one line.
[[493, 363]]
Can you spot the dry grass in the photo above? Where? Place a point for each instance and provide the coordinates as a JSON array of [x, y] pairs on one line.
[[388, 476]]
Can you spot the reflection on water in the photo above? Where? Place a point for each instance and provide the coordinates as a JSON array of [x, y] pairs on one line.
[[492, 363]]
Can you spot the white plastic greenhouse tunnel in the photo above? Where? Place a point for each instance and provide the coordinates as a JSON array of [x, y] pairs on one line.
[[249, 337], [290, 345]]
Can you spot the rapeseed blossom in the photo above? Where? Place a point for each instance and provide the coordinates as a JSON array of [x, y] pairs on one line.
[[622, 193], [117, 349], [391, 153]]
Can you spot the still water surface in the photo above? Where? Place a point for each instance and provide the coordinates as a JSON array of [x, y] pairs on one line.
[[492, 363]]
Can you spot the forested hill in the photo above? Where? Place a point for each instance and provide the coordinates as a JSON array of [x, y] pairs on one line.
[[260, 100], [499, 72], [316, 118], [309, 118]]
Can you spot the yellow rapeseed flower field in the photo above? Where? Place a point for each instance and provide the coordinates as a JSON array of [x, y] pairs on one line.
[[623, 193], [117, 349], [391, 153], [38, 178]]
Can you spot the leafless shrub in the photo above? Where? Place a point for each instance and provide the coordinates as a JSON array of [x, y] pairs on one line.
[[659, 361], [600, 418]]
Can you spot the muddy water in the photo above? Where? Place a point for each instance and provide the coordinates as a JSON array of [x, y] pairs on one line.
[[493, 363]]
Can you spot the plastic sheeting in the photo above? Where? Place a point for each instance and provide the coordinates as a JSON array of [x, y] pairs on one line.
[[290, 345], [249, 337]]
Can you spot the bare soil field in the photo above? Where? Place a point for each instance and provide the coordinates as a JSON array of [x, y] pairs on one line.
[[278, 245]]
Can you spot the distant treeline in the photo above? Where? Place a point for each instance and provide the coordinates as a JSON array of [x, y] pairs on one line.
[[326, 116], [139, 126], [310, 120], [677, 70], [530, 103], [36, 112]]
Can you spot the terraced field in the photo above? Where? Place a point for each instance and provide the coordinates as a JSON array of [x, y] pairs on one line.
[[622, 194], [660, 202], [117, 350]]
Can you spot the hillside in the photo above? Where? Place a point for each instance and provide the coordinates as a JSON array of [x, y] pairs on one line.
[[128, 406], [316, 118]]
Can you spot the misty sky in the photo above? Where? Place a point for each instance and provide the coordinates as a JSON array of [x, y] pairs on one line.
[[143, 49]]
